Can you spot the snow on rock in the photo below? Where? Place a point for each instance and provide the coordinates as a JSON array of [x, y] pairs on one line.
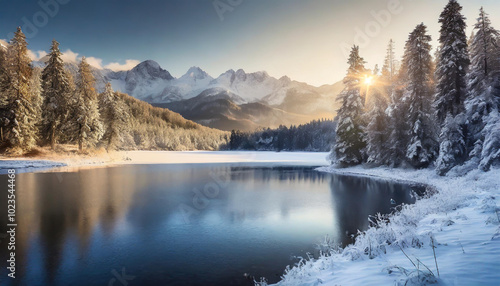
[[461, 219]]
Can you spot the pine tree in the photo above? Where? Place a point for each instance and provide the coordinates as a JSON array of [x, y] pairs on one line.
[[398, 126], [4, 83], [397, 131], [390, 63], [421, 149], [113, 114], [88, 126], [376, 130], [351, 141], [452, 148], [483, 82], [56, 88], [35, 87], [21, 129], [452, 63], [490, 152]]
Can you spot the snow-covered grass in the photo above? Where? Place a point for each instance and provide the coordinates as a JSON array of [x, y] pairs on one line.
[[461, 219]]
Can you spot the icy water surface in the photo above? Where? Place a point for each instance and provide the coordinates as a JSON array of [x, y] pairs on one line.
[[198, 224]]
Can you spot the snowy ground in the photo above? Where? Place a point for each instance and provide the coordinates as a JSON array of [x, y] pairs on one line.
[[164, 157], [462, 218]]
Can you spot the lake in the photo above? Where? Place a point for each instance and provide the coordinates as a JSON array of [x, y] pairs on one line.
[[186, 224]]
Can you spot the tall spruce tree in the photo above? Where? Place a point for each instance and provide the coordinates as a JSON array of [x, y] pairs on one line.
[[483, 81], [351, 141], [56, 88], [4, 83], [21, 128], [389, 68], [422, 145], [377, 129], [113, 116], [35, 86], [88, 127], [452, 63]]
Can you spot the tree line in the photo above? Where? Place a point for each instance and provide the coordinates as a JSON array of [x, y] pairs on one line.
[[317, 136], [48, 107], [440, 110]]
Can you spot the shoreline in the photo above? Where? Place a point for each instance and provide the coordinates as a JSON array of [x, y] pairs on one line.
[[120, 158], [461, 220]]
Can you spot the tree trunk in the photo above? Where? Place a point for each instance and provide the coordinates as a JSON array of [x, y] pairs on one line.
[[80, 145]]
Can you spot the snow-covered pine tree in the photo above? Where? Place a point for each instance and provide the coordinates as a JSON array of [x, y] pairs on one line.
[[351, 141], [4, 83], [3, 72], [88, 126], [114, 117], [56, 89], [490, 153], [452, 147], [483, 82], [376, 130], [452, 63], [389, 68], [35, 86], [21, 129], [397, 127], [422, 147]]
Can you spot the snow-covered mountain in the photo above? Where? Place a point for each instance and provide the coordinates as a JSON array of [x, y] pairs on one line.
[[149, 82], [249, 99]]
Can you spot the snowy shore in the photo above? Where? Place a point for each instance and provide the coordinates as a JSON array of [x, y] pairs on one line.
[[71, 163], [462, 220]]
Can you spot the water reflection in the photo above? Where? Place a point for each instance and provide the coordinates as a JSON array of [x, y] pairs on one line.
[[75, 231]]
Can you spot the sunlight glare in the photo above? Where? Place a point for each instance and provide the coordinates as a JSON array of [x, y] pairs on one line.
[[368, 80]]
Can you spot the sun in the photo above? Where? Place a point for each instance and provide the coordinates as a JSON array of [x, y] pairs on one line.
[[368, 80]]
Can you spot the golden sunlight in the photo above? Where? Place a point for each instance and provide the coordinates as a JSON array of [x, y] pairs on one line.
[[368, 80]]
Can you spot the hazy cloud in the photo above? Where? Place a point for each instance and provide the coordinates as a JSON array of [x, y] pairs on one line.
[[36, 55], [69, 56], [95, 62], [129, 64]]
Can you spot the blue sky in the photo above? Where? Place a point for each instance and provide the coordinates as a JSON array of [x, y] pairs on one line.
[[305, 40]]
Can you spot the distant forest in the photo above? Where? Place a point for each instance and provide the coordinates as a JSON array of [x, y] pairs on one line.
[[317, 136], [47, 106]]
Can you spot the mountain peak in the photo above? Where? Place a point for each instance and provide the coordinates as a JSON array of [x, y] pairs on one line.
[[149, 63], [195, 73], [149, 70]]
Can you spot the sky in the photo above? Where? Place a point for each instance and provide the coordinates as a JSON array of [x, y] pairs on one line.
[[307, 40]]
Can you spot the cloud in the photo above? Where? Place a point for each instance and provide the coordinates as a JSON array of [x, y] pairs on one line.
[[36, 55], [95, 62], [128, 65], [70, 57]]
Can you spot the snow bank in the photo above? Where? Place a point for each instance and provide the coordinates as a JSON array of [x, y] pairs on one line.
[[462, 221], [196, 157], [167, 157], [23, 166]]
